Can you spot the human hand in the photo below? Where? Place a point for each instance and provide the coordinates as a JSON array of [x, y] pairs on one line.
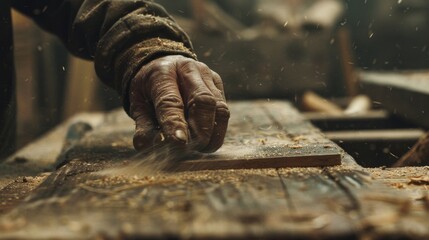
[[179, 101]]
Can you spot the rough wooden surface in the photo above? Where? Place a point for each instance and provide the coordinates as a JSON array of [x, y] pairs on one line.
[[76, 202], [265, 134], [261, 134], [81, 201], [40, 155], [13, 193]]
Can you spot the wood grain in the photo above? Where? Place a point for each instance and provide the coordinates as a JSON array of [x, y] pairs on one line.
[[261, 134], [303, 203], [78, 201], [264, 134]]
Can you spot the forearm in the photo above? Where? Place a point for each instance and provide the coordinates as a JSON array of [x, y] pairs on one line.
[[120, 36]]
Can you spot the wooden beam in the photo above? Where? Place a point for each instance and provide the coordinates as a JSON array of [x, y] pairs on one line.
[[311, 101], [337, 202], [271, 134], [405, 94], [378, 135], [375, 119], [300, 203], [375, 148]]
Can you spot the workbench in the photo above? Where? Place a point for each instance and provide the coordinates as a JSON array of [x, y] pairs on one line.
[[84, 199]]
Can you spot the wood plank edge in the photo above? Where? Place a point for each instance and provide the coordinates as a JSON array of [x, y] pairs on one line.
[[275, 162]]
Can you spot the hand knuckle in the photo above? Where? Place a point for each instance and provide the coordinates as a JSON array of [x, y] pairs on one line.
[[186, 65], [203, 66], [215, 75], [174, 118], [203, 98], [170, 100], [160, 72], [223, 112]]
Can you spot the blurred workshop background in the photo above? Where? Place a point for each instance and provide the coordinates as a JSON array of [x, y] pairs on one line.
[[261, 48]]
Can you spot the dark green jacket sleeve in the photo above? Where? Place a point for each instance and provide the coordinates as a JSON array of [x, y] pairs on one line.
[[119, 35]]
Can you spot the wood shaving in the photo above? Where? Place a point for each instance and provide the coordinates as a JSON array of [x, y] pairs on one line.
[[296, 146], [421, 180]]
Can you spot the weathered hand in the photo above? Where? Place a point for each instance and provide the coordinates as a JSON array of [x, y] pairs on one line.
[[180, 101]]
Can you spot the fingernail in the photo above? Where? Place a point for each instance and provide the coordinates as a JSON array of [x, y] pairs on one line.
[[181, 135]]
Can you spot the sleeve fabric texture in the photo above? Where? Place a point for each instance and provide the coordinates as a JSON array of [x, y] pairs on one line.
[[119, 35]]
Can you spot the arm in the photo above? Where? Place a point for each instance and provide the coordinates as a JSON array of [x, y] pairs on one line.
[[113, 33], [135, 46]]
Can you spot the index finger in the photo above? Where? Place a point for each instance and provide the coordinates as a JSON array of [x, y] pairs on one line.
[[168, 105]]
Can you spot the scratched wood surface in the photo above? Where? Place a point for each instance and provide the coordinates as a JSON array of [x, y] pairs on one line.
[[81, 200], [260, 134], [265, 134]]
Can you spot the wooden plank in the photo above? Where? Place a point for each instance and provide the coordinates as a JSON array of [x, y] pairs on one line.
[[400, 178], [81, 200], [317, 204], [376, 135], [24, 170], [46, 149], [379, 210], [16, 191], [405, 94], [375, 148], [220, 204], [272, 134], [304, 203], [376, 119], [352, 198]]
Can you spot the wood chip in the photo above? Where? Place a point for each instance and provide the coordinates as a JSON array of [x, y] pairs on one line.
[[421, 180]]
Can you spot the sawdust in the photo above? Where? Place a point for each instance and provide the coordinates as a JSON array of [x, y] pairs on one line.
[[150, 162], [156, 169], [397, 185], [9, 171], [18, 190]]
